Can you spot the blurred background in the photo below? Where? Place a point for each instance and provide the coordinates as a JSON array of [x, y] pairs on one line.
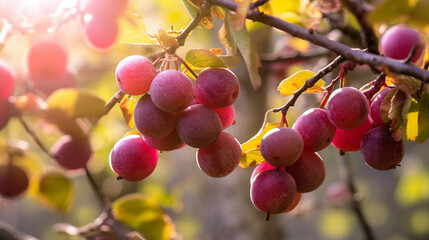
[[395, 202]]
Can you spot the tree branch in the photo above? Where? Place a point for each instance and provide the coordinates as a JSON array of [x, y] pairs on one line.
[[360, 10], [354, 55], [310, 83], [347, 176]]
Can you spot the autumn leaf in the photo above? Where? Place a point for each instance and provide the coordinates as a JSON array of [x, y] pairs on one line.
[[127, 107], [289, 85]]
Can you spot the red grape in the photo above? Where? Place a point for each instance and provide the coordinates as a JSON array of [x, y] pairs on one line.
[[347, 108], [134, 74], [199, 126], [46, 60], [375, 108], [171, 91], [132, 158], [294, 203], [167, 143], [217, 87], [273, 191], [380, 150], [220, 158], [72, 154], [13, 180], [349, 140], [101, 31], [315, 128], [398, 41], [281, 146], [151, 121], [308, 172]]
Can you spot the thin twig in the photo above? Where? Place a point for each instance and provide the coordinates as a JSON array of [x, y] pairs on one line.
[[354, 55], [114, 100], [360, 10], [346, 174], [186, 65], [205, 10], [310, 83], [376, 85], [33, 135]]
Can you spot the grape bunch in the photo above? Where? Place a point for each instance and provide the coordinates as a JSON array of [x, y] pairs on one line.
[[173, 112], [291, 165]]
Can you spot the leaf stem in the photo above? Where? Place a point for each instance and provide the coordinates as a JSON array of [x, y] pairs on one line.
[[186, 65]]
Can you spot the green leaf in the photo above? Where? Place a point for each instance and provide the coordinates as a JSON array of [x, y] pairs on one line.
[[127, 107], [229, 61], [144, 215], [249, 54], [193, 7], [417, 127], [289, 85], [55, 191], [390, 11], [202, 58], [76, 103]]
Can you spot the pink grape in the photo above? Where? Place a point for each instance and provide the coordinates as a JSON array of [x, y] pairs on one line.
[[217, 87], [315, 128], [308, 172], [380, 150], [46, 60], [132, 158], [226, 114], [281, 146], [220, 158], [171, 91], [347, 108], [7, 80], [151, 121], [349, 140], [167, 143], [72, 154], [273, 191], [134, 74], [199, 126], [110, 8], [101, 31], [398, 41], [13, 181], [375, 108]]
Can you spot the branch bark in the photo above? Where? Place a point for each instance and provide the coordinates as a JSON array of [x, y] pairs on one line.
[[355, 55]]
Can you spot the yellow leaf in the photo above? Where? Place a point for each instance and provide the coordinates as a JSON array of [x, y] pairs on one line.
[[250, 149], [167, 41], [133, 31], [127, 108], [289, 85]]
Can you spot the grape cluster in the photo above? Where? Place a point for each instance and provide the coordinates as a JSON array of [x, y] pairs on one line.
[[174, 112], [101, 27], [291, 165]]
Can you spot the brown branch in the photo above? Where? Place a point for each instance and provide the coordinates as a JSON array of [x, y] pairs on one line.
[[205, 10], [114, 100], [309, 83], [354, 55], [346, 174], [273, 58], [360, 10]]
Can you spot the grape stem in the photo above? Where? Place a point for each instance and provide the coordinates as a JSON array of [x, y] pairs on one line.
[[186, 65], [309, 83], [376, 85], [355, 55], [346, 175]]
